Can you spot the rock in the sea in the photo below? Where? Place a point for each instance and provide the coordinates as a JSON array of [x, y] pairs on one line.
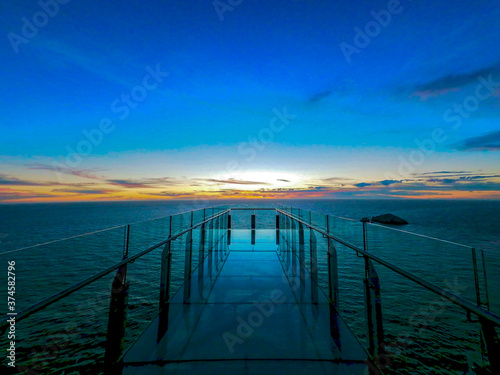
[[365, 220], [389, 219]]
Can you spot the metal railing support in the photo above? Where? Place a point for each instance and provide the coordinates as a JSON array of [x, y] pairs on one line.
[[476, 277], [302, 259], [117, 321], [492, 343], [188, 266], [253, 220], [201, 260], [314, 266], [166, 263], [277, 229], [294, 248], [117, 318], [333, 277], [209, 249], [373, 309], [365, 234]]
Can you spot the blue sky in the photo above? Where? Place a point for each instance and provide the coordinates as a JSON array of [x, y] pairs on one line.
[[254, 99]]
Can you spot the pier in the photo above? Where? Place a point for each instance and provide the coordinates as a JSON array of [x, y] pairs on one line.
[[256, 291]]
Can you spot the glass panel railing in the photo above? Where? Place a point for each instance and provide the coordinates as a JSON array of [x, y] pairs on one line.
[[439, 262], [148, 233], [488, 263], [346, 229], [422, 329], [41, 271]]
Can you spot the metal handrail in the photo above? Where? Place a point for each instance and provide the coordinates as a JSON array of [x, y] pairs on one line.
[[465, 304], [410, 233], [56, 297]]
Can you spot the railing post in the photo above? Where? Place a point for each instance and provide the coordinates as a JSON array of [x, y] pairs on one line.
[[187, 266], [365, 234], [373, 309], [492, 342], [253, 219], [333, 277], [302, 259], [188, 263], [294, 248], [277, 228], [314, 266], [201, 259], [476, 277], [209, 248], [117, 322], [229, 228], [117, 318], [166, 261]]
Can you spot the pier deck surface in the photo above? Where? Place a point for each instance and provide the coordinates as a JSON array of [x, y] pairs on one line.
[[248, 313]]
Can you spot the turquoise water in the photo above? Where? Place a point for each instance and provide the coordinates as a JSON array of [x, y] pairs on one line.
[[53, 339]]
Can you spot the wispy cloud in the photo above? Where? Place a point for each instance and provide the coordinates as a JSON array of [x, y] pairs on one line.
[[458, 80], [14, 181], [428, 94], [85, 191], [487, 142], [144, 183], [390, 182], [452, 83], [232, 181], [8, 194], [320, 96], [85, 173], [363, 184]]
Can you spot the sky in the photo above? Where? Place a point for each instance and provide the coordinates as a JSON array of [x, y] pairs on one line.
[[241, 99]]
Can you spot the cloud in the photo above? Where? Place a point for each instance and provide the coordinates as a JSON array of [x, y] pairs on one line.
[[170, 194], [390, 182], [467, 178], [362, 185], [320, 96], [427, 94], [59, 168], [233, 181], [452, 83], [458, 80], [145, 183], [8, 194], [85, 191], [283, 180], [445, 172], [487, 142], [443, 180], [336, 179], [9, 180]]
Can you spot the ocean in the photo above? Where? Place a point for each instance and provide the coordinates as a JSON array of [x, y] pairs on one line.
[[69, 335]]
